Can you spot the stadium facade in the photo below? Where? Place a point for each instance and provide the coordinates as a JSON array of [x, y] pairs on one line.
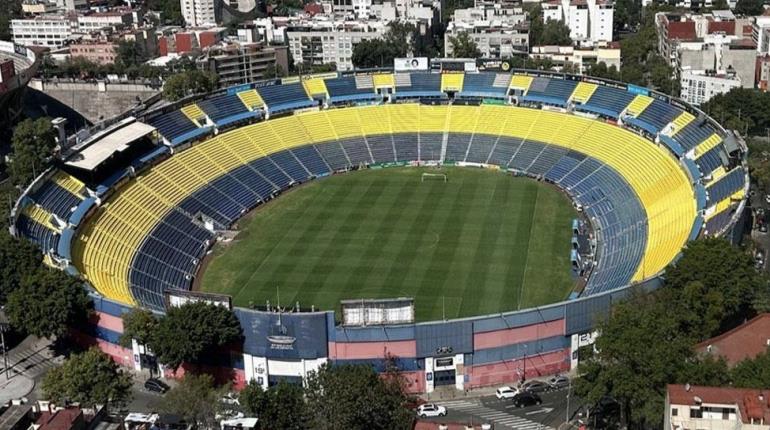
[[133, 208]]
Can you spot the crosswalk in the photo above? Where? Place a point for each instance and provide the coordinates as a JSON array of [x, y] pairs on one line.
[[501, 420]]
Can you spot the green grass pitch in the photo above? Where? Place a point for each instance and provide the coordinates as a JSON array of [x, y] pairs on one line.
[[483, 242]]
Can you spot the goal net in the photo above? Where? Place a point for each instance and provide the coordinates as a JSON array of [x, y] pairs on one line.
[[433, 177]]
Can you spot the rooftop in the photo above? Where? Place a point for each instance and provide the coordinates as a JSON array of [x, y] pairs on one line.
[[63, 419], [745, 341], [752, 404]]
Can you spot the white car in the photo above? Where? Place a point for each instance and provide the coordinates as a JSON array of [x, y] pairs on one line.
[[430, 410], [506, 393]]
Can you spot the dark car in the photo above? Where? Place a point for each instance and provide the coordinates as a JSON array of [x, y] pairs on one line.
[[526, 398], [156, 386], [534, 386]]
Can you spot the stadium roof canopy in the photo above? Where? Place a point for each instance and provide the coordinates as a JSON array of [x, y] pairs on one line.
[[102, 148]]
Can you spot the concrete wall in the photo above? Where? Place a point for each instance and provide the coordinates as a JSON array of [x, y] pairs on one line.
[[95, 100]]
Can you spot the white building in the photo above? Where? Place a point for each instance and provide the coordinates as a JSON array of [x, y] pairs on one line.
[[589, 21], [760, 27], [699, 86], [45, 30], [197, 13], [716, 408], [582, 59], [325, 41], [498, 32], [99, 20]]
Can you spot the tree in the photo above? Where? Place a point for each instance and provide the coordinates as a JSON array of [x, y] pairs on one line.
[[47, 303], [190, 330], [33, 142], [138, 324], [11, 10], [749, 7], [197, 399], [463, 46], [129, 54], [90, 378], [759, 163], [355, 396], [189, 82], [171, 10], [282, 406], [742, 109], [372, 53], [600, 70], [753, 372], [721, 278], [17, 259], [555, 33]]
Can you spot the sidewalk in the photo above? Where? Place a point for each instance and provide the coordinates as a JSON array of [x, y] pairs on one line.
[[28, 362]]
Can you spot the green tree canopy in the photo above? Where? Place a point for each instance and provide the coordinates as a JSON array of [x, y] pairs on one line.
[[90, 378], [555, 33], [17, 259], [11, 10], [33, 142], [138, 324], [189, 82], [197, 399], [463, 46], [171, 10], [753, 373], [400, 40], [749, 7], [129, 54], [372, 53], [355, 397], [47, 303], [282, 406], [191, 330], [715, 285], [742, 109], [759, 163]]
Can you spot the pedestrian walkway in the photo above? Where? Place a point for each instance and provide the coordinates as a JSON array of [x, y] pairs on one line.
[[28, 362], [501, 420]]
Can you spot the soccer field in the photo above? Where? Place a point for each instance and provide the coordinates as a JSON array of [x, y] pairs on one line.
[[482, 242]]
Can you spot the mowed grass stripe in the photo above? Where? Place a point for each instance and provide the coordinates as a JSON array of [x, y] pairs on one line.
[[459, 247]]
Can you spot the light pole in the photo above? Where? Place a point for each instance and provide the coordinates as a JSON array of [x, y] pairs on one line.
[[524, 375], [4, 326]]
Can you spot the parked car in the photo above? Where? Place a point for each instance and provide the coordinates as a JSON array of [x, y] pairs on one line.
[[156, 386], [558, 382], [534, 386], [526, 398], [506, 392], [430, 410]]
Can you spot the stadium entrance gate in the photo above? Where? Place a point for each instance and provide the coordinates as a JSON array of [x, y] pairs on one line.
[[444, 371]]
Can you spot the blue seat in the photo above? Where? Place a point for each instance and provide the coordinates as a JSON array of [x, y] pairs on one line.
[[526, 154], [334, 155], [312, 160], [480, 148], [457, 146], [430, 146], [356, 150], [423, 85], [481, 85], [43, 237], [344, 89], [270, 171], [659, 114], [726, 185], [224, 107], [550, 90], [173, 125], [56, 199], [693, 134], [505, 149], [382, 148], [709, 161], [607, 101], [286, 161], [406, 146], [280, 98]]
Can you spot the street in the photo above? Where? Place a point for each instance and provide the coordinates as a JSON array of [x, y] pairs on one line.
[[551, 414]]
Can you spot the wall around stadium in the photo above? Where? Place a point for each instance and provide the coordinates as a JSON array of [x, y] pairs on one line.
[[469, 353]]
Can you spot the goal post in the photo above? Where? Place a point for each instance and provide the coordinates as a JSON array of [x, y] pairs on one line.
[[433, 177]]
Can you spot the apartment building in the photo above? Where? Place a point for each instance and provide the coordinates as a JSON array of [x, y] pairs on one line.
[[498, 32], [589, 21]]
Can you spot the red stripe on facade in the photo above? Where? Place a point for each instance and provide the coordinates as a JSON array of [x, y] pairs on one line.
[[509, 371], [492, 339], [365, 350], [107, 321]]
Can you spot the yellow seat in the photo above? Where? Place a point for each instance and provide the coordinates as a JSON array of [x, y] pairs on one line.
[[69, 183], [452, 81], [194, 113], [681, 121], [384, 80], [315, 87], [251, 99], [638, 105], [707, 145], [521, 82], [583, 92]]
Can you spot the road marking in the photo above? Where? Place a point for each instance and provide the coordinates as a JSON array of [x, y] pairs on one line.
[[497, 417]]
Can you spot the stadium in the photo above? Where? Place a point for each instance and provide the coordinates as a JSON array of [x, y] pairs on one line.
[[473, 225], [14, 80]]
